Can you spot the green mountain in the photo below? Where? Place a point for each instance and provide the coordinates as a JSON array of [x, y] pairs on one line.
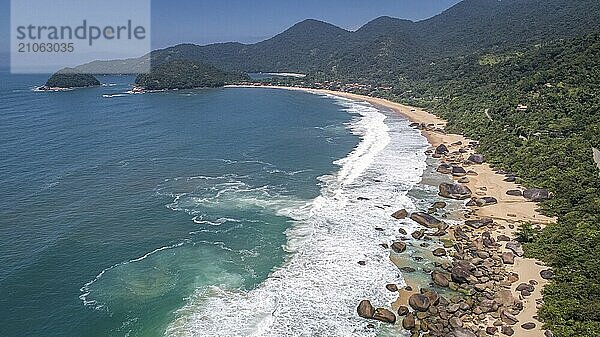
[[314, 46], [184, 74]]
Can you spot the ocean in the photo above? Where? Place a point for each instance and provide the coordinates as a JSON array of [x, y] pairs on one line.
[[214, 212]]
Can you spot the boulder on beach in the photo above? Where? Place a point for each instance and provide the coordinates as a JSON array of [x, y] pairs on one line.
[[454, 191], [441, 149], [472, 173], [444, 169], [507, 330], [537, 194], [508, 258], [514, 193], [365, 309], [401, 214], [462, 332], [487, 201], [426, 220], [479, 223], [515, 247], [458, 171], [547, 274], [476, 158], [504, 297], [461, 271]]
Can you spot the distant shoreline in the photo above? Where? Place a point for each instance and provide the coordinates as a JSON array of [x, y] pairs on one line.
[[506, 213]]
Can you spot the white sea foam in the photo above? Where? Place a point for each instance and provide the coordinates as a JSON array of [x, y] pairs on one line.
[[316, 291], [85, 290], [114, 95]]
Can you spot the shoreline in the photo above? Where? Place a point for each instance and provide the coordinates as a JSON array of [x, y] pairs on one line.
[[506, 213]]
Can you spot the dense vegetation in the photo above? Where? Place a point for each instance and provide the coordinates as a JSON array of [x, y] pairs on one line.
[[68, 78], [182, 74]]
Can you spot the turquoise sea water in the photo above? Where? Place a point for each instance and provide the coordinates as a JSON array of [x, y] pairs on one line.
[[221, 212]]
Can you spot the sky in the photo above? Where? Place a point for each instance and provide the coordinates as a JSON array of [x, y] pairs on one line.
[[249, 21]]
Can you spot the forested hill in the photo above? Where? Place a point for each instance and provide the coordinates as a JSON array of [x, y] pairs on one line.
[[387, 44], [184, 74]]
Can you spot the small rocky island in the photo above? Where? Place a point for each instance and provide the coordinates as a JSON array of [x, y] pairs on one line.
[[185, 74], [69, 78]]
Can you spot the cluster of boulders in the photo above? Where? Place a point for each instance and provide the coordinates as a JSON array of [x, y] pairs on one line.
[[481, 302], [470, 290]]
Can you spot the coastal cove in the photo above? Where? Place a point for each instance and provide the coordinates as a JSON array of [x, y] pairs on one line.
[[506, 212], [149, 219]]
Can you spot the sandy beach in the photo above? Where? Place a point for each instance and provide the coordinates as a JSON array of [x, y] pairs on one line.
[[507, 213]]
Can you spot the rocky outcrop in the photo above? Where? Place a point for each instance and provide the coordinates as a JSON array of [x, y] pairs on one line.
[[454, 191], [441, 149], [476, 158], [537, 194]]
